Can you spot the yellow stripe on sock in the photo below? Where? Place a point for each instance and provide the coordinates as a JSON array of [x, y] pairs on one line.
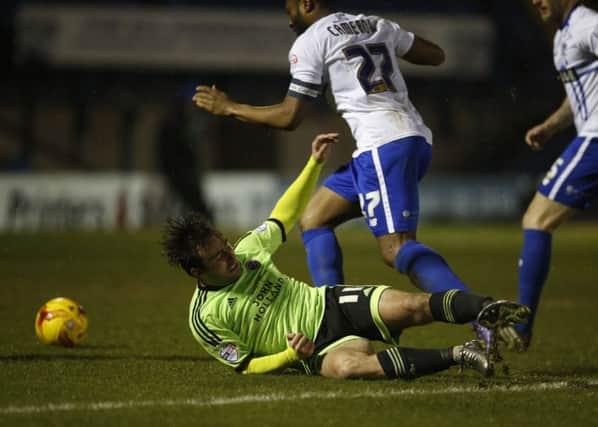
[[446, 304]]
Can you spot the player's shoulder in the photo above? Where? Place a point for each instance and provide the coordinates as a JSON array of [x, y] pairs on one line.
[[205, 308], [586, 12], [582, 18], [204, 318], [383, 23], [253, 241], [199, 301], [198, 307], [246, 244], [365, 22]]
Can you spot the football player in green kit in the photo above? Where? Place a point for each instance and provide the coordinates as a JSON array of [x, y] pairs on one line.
[[255, 319]]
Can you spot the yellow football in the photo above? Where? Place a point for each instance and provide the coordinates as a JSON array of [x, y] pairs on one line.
[[61, 321]]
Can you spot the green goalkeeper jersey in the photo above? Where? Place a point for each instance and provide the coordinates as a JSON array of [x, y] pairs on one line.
[[251, 317]]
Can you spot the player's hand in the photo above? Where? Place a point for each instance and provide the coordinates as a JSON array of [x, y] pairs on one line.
[[320, 147], [537, 136], [212, 100], [301, 344]]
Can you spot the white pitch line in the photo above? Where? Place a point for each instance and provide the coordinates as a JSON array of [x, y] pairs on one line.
[[278, 397]]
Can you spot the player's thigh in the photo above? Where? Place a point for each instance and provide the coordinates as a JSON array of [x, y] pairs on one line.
[[387, 179], [352, 359], [354, 311], [399, 310], [545, 214], [333, 203], [571, 183]]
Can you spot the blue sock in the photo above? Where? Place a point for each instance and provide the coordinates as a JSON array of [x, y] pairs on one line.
[[431, 271], [324, 256], [533, 270]]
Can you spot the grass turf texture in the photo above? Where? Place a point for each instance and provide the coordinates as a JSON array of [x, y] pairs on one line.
[[141, 366]]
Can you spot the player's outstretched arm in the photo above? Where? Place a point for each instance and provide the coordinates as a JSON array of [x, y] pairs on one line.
[[300, 347], [539, 135], [286, 115], [291, 204], [272, 363], [424, 52]]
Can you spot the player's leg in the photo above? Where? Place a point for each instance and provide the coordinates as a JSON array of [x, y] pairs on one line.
[[380, 313], [332, 204], [393, 216], [352, 359], [356, 360], [387, 180], [399, 310], [394, 310], [542, 217], [425, 267], [568, 186]]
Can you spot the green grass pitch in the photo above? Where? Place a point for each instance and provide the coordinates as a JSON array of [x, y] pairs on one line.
[[141, 366]]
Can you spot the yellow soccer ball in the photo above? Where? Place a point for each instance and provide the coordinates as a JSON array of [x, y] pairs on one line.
[[61, 321]]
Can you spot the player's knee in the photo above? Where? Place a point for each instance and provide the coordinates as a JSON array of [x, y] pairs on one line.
[[529, 220], [309, 220], [346, 366], [417, 308], [389, 250], [390, 246], [537, 219], [389, 258]]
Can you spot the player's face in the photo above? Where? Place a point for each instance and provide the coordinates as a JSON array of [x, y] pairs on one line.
[[550, 10], [296, 19], [221, 265]]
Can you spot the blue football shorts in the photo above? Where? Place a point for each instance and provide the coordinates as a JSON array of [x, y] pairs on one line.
[[573, 178], [384, 181]]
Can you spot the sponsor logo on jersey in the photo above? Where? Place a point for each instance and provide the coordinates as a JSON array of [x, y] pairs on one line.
[[262, 228], [252, 265], [231, 301], [229, 352]]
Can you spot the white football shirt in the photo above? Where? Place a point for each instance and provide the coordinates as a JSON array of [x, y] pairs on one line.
[[357, 56], [576, 60]]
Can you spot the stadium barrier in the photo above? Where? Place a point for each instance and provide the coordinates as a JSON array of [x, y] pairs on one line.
[[175, 38], [239, 200]]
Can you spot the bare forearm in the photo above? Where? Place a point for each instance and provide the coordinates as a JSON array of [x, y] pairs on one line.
[[285, 115], [277, 116], [561, 118]]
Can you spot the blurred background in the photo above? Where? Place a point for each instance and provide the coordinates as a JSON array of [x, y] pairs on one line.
[[98, 130]]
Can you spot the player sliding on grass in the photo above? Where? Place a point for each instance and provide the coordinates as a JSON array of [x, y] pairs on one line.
[[357, 56], [250, 316]]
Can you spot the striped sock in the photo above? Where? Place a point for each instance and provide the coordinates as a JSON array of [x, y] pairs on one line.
[[409, 363], [455, 306]]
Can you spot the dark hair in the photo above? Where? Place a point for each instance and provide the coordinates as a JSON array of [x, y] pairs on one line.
[[182, 236], [327, 4]]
